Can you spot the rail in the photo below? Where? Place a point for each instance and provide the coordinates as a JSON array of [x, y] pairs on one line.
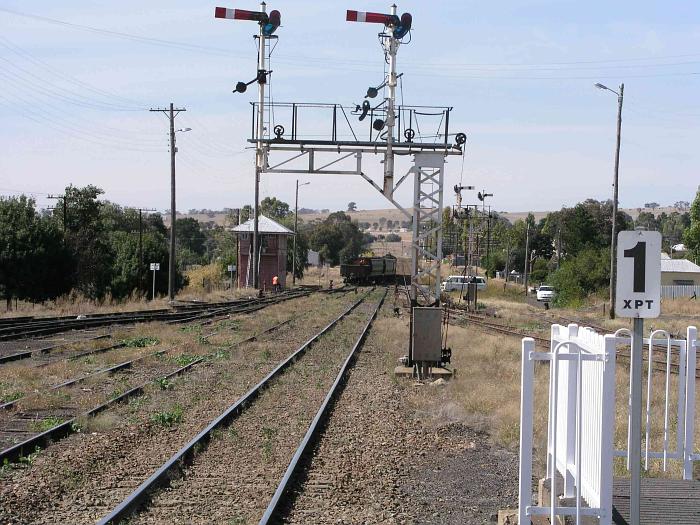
[[282, 493], [186, 454]]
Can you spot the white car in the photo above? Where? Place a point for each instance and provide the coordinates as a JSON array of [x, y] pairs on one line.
[[458, 283], [545, 293]]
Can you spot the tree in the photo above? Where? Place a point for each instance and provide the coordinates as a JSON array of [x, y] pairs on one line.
[[34, 264], [190, 237], [336, 238], [274, 209], [352, 206], [691, 237], [86, 237], [652, 205], [681, 205]]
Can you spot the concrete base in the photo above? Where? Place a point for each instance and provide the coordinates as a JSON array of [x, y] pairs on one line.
[[437, 372]]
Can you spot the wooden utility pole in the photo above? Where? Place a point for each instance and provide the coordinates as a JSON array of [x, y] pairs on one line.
[[613, 242], [527, 254], [171, 113]]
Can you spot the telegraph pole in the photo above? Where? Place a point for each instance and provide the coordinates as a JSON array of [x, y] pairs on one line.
[[171, 113], [613, 240], [527, 255], [65, 209], [140, 265], [296, 219], [613, 246]]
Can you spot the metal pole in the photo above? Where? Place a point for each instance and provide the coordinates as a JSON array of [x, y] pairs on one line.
[[527, 255], [559, 248], [140, 273], [171, 261], [613, 245], [296, 217], [259, 153], [634, 447], [153, 295], [390, 114], [488, 240]]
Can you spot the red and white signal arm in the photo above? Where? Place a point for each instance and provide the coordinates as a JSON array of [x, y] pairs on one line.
[[638, 274]]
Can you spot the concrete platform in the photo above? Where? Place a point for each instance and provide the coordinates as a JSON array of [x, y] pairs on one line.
[[436, 372]]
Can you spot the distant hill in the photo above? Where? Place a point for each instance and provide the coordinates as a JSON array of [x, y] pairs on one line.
[[392, 214]]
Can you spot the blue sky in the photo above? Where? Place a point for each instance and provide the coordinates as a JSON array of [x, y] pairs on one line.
[[519, 75]]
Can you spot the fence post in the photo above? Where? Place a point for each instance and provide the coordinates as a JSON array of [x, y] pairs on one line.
[[569, 369], [690, 371], [527, 378], [607, 445]]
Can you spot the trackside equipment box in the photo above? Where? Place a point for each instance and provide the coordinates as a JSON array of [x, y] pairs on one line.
[[426, 336]]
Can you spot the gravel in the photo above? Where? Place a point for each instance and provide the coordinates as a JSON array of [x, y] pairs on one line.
[[79, 479], [234, 479], [378, 463]]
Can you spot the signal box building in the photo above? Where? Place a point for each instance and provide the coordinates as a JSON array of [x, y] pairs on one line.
[[272, 237]]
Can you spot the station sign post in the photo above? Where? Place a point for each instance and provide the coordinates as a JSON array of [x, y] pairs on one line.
[[232, 269], [154, 267], [638, 297]]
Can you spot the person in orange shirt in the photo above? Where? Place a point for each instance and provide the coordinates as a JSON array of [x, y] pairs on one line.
[[275, 284]]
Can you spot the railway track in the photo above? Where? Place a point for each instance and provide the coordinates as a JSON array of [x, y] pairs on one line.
[[206, 316], [41, 326], [659, 363], [21, 432], [256, 435]]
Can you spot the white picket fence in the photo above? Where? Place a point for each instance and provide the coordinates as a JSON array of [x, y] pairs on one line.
[[581, 417], [678, 291]]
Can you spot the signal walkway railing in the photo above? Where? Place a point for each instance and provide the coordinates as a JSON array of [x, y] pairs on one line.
[[674, 358], [580, 423], [581, 414]]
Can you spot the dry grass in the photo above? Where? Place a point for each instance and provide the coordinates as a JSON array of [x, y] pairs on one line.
[[485, 392]]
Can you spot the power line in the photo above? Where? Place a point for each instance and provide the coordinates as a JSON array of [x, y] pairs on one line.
[[327, 61], [19, 51]]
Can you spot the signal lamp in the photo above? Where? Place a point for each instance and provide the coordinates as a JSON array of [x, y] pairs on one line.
[[378, 124], [403, 27], [272, 23], [268, 23], [365, 110], [372, 92], [460, 138], [240, 87]]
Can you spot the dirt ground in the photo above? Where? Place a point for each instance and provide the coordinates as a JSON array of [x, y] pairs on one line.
[[394, 451]]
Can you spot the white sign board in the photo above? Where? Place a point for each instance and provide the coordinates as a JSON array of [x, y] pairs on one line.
[[638, 274], [155, 266], [231, 267]]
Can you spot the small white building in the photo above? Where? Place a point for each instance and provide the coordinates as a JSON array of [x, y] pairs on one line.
[[679, 272]]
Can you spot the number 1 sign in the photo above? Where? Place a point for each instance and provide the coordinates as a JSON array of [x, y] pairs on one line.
[[638, 274]]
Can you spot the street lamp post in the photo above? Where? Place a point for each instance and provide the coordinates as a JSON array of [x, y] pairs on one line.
[[171, 261], [296, 219], [613, 244]]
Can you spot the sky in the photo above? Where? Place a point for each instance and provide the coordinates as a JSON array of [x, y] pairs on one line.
[[77, 79]]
